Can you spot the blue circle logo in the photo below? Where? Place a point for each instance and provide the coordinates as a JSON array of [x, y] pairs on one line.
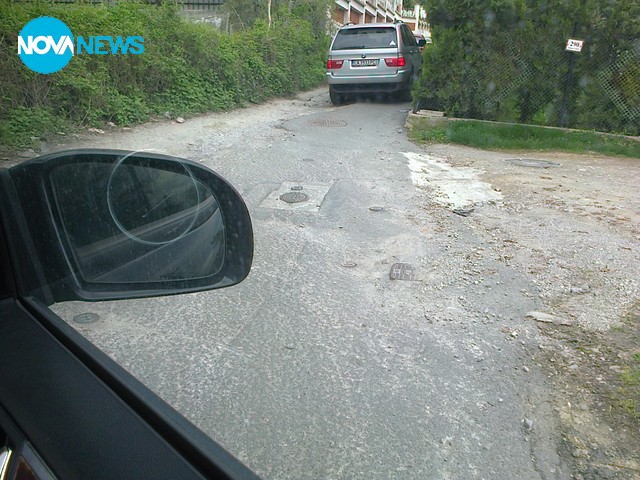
[[45, 45]]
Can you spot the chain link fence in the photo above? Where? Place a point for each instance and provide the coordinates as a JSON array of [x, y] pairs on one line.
[[620, 82], [591, 84], [590, 89]]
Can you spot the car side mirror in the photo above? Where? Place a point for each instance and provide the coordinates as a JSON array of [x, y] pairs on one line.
[[422, 42], [109, 224]]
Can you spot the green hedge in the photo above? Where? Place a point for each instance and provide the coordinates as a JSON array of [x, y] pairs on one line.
[[186, 68], [505, 60]]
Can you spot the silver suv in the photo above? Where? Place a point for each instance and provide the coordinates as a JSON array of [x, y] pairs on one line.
[[372, 58]]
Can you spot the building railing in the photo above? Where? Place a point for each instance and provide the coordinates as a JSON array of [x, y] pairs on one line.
[[185, 3]]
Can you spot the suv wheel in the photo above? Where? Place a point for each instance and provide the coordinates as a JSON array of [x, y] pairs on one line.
[[405, 94], [336, 98]]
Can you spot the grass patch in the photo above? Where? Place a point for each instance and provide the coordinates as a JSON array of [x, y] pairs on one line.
[[629, 390], [606, 382], [492, 136]]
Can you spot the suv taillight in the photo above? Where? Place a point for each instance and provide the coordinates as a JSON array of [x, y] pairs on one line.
[[398, 61], [334, 64]]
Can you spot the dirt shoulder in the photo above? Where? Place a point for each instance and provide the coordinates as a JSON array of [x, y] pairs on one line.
[[187, 138], [571, 223]]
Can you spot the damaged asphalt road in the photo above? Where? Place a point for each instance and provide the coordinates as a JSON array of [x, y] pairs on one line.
[[330, 360]]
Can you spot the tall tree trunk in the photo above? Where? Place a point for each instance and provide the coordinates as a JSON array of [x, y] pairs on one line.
[[268, 13]]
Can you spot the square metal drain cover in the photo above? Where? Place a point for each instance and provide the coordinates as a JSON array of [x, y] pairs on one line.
[[402, 271], [297, 196]]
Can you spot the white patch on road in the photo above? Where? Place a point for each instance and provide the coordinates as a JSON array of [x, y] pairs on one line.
[[315, 192], [454, 187]]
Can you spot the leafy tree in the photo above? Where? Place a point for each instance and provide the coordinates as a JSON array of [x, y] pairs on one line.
[[186, 67], [244, 13]]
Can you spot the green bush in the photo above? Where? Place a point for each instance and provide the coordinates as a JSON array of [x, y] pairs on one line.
[[21, 124], [186, 68], [506, 60]]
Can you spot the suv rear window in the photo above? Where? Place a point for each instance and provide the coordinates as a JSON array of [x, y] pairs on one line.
[[371, 37]]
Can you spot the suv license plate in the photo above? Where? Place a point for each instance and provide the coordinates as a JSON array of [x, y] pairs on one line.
[[364, 63]]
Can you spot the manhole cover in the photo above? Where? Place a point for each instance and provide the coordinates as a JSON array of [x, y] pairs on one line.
[[327, 122], [86, 318], [294, 197], [376, 208], [349, 264], [532, 162]]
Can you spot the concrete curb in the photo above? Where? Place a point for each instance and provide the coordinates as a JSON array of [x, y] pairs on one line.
[[432, 118]]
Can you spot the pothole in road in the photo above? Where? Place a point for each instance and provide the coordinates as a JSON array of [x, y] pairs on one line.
[[327, 122], [532, 162]]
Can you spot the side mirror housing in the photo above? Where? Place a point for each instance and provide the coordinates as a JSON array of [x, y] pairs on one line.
[[110, 224]]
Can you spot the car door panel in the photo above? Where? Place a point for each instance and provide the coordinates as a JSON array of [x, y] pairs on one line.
[[78, 425], [67, 407]]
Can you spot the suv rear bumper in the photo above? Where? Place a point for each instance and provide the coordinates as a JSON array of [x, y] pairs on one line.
[[368, 87], [355, 84]]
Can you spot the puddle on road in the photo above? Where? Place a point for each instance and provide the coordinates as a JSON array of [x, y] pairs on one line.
[[453, 187]]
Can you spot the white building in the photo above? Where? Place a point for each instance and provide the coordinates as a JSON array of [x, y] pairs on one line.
[[416, 19], [366, 11], [372, 11]]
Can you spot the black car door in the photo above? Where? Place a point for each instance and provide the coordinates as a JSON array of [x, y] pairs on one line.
[[67, 411]]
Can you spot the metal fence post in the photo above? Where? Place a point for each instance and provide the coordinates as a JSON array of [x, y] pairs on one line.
[[567, 83]]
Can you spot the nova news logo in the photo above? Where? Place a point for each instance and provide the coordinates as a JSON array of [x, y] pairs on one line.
[[46, 45]]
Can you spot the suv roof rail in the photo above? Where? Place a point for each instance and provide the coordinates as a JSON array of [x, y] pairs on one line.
[[348, 23]]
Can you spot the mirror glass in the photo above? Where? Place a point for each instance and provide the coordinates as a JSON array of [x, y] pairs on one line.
[[138, 220]]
